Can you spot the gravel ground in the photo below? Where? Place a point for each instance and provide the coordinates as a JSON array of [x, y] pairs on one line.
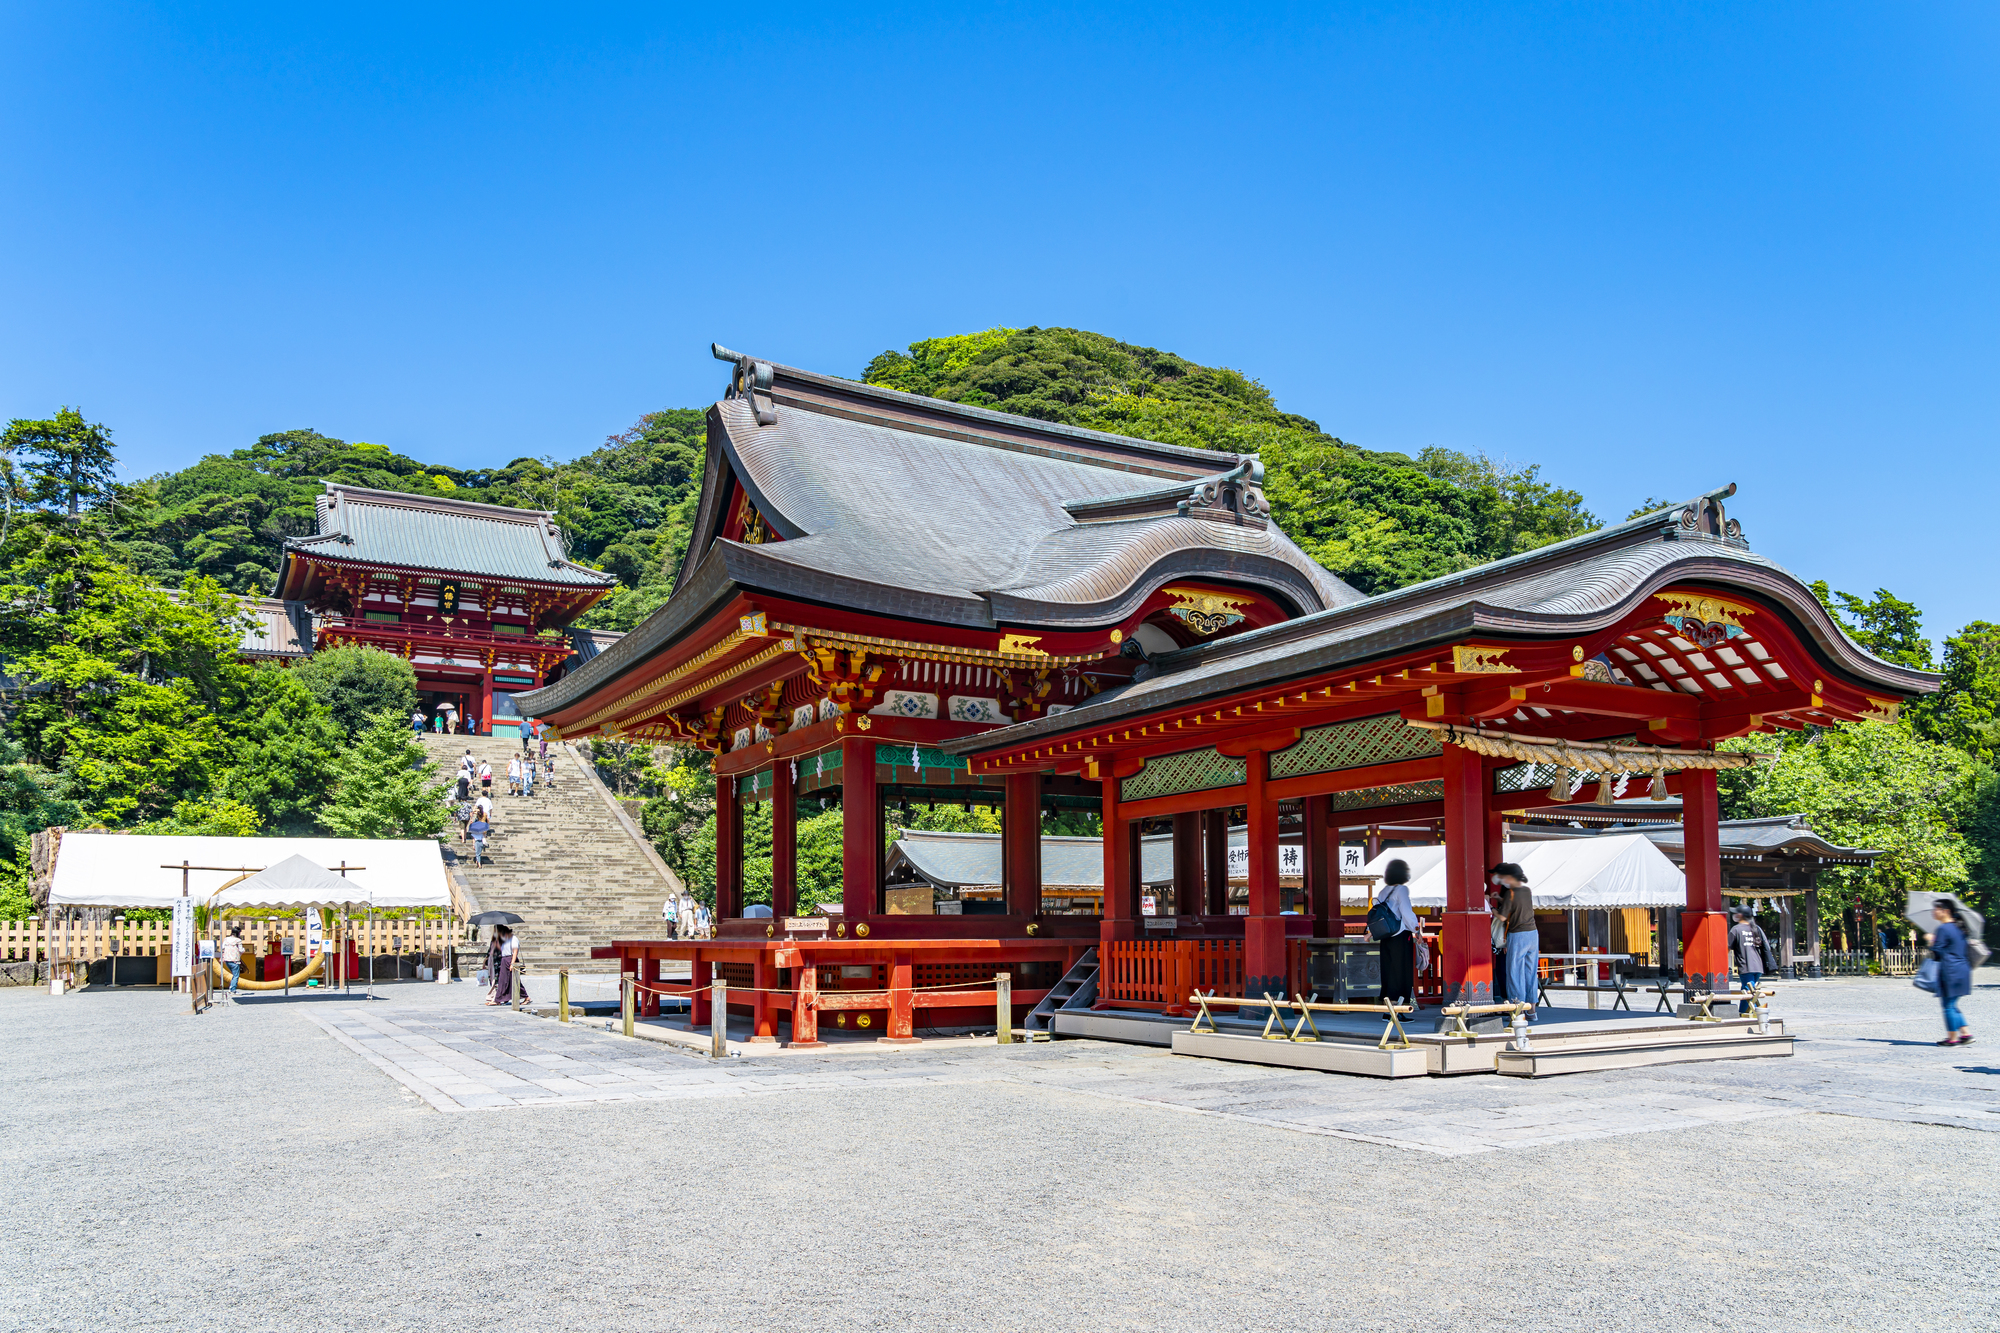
[[241, 1169]]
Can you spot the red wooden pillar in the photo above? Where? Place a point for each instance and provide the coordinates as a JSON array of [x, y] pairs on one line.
[[728, 850], [700, 1002], [901, 1010], [1322, 866], [486, 701], [1704, 930], [1264, 932], [805, 1006], [1372, 847], [1189, 882], [1215, 830], [1468, 939], [1120, 865], [1021, 845], [784, 842], [860, 831], [763, 1017], [649, 1000]]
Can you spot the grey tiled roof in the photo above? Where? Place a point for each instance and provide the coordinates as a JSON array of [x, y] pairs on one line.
[[444, 536], [281, 629], [1558, 591]]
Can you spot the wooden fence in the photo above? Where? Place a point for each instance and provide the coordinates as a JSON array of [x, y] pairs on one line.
[[1161, 974]]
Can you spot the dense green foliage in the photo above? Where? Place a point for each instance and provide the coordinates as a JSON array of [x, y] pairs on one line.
[[1379, 520], [357, 685], [383, 788]]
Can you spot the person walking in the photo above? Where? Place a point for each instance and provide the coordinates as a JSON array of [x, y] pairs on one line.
[[478, 829], [501, 962], [1399, 946], [1751, 948], [232, 956], [486, 777], [514, 775], [1949, 945], [671, 917], [703, 923], [437, 724], [528, 778], [417, 722], [1524, 941]]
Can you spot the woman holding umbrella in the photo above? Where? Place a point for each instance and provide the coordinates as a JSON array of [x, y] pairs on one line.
[[500, 953], [1950, 947]]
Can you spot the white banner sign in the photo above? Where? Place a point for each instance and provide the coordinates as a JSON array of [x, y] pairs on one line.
[[183, 937]]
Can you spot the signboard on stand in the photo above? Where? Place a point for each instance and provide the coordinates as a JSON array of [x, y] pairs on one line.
[[1353, 856], [183, 930]]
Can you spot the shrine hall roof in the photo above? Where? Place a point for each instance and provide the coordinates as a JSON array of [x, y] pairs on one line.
[[435, 534], [1561, 590]]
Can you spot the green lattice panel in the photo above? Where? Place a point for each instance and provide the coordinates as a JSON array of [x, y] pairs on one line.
[[1384, 739], [1523, 777], [1408, 793], [1190, 770]]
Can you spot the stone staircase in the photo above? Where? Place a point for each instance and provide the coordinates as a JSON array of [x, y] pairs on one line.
[[563, 859]]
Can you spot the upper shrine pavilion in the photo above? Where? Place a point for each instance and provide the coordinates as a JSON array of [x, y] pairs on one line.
[[475, 596], [891, 600]]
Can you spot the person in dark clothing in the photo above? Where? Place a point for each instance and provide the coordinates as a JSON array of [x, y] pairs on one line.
[[1399, 950], [1954, 980], [1751, 948]]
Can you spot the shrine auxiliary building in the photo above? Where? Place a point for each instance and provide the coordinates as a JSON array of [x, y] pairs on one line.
[[475, 596], [889, 600]]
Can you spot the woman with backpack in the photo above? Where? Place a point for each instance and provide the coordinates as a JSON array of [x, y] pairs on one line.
[[1952, 951], [1393, 922]]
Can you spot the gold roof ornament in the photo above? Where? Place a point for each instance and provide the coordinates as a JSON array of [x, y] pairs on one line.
[[1206, 612], [1469, 661]]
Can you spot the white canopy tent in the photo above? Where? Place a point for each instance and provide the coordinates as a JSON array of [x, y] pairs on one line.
[[1581, 874], [144, 870]]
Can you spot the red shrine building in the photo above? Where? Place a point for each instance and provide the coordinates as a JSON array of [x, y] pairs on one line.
[[475, 596], [890, 600]]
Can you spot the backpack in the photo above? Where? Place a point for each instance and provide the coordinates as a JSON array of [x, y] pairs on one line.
[[1382, 922]]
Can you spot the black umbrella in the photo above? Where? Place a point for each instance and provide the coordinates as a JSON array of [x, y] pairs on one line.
[[495, 919]]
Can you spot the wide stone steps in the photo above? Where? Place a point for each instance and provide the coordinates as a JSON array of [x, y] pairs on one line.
[[561, 859]]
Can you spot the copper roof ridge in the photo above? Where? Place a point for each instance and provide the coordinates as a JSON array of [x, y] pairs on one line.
[[944, 406], [440, 504]]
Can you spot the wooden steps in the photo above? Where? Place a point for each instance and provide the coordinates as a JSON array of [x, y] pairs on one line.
[[1588, 1057]]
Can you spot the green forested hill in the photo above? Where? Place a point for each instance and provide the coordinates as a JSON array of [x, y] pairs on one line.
[[1379, 520]]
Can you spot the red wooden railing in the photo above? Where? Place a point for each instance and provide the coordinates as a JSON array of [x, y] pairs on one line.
[[1161, 974]]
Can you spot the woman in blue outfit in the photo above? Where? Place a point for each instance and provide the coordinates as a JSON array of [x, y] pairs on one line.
[[1954, 981]]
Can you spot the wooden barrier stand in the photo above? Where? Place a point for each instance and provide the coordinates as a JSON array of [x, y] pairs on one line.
[[1307, 1008]]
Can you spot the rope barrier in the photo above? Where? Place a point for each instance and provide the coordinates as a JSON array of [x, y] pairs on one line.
[[1589, 756], [734, 989]]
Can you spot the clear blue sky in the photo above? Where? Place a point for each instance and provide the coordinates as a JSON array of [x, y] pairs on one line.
[[1650, 247]]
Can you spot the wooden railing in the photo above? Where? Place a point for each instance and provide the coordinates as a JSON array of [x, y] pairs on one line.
[[1161, 974]]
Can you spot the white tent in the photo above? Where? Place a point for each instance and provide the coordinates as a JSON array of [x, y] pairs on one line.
[[144, 870], [297, 883], [1585, 874]]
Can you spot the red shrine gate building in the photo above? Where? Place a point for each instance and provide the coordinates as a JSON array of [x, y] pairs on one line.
[[475, 596], [895, 600]]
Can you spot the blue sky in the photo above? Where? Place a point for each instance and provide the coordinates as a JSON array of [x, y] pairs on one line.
[[1650, 247]]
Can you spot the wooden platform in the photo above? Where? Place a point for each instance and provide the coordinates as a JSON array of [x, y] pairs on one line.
[[1571, 1039], [1585, 1057], [1336, 1057]]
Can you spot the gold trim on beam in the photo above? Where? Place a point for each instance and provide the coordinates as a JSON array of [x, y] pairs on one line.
[[936, 652], [652, 687], [748, 664]]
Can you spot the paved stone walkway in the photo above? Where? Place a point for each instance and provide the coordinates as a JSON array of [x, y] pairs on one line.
[[1863, 1050]]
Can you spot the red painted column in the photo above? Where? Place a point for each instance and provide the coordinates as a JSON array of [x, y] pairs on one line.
[[728, 850], [1189, 881], [763, 1017], [1704, 929], [1264, 932], [700, 1003], [1468, 939], [901, 1011], [1118, 922], [1322, 866], [805, 1007], [860, 831], [784, 842], [1021, 845], [649, 1000], [1215, 833], [486, 701]]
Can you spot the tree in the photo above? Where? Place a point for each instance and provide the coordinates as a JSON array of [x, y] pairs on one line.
[[357, 685], [277, 747], [383, 788], [1885, 624], [1881, 786], [1966, 710], [68, 460]]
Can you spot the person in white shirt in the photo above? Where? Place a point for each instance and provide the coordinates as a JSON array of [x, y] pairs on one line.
[[514, 775], [1400, 961], [504, 946], [232, 955]]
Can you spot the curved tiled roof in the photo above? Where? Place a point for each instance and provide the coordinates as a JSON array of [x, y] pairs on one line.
[[1561, 590], [445, 536]]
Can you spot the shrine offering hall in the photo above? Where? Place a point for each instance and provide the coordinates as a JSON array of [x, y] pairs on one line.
[[892, 601]]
